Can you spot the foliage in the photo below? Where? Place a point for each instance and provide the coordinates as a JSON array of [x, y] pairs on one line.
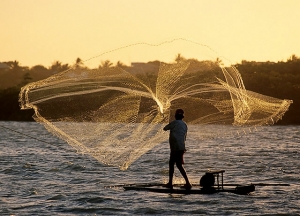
[[279, 80], [10, 109]]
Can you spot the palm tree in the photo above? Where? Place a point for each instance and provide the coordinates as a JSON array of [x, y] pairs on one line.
[[179, 57], [79, 63], [219, 61], [15, 65], [106, 64], [293, 58], [120, 64], [57, 66]]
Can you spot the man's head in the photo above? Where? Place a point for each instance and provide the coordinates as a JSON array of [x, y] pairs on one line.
[[179, 114]]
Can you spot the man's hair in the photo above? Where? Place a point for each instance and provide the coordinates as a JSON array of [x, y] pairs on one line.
[[179, 111], [179, 116]]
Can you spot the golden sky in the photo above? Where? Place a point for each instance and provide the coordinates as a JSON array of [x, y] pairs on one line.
[[43, 31]]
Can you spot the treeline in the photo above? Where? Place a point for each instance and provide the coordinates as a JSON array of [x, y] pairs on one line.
[[275, 79], [12, 74], [279, 80]]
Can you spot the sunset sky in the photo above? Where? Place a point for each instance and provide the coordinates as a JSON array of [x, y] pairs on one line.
[[42, 31]]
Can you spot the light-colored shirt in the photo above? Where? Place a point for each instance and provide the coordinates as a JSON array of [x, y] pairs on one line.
[[178, 131]]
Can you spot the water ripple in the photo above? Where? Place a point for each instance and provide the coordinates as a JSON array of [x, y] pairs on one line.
[[51, 179]]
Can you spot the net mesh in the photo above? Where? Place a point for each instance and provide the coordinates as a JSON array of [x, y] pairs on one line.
[[116, 113]]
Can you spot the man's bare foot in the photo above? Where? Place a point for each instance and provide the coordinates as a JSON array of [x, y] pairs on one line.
[[168, 185], [187, 186]]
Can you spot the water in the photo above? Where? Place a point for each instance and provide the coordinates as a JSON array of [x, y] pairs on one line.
[[38, 178]]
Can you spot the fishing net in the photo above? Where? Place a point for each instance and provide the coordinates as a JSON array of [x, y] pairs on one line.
[[116, 112]]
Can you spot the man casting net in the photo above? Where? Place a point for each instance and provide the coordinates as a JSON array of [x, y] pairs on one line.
[[116, 112]]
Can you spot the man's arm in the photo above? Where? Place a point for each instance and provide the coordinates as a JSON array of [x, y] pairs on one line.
[[169, 126]]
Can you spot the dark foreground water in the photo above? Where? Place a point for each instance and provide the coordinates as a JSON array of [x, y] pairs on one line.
[[38, 178]]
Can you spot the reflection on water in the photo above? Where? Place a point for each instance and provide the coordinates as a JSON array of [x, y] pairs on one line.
[[52, 179]]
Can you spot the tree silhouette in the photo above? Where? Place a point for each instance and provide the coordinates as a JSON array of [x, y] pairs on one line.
[[106, 64], [79, 63], [219, 61], [279, 80], [293, 58], [121, 65], [38, 69], [15, 65], [26, 79], [57, 67], [179, 57]]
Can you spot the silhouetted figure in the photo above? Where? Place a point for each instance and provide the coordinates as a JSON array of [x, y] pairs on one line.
[[178, 131]]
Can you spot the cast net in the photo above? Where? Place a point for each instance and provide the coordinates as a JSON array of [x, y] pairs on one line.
[[116, 112]]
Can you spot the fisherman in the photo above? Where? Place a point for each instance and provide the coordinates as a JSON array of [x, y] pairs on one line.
[[178, 131]]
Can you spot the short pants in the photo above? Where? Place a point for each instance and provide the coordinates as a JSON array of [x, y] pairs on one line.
[[177, 156]]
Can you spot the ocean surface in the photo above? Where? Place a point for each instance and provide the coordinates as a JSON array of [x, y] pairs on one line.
[[48, 177]]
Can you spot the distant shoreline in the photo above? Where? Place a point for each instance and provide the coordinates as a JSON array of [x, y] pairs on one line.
[[279, 80]]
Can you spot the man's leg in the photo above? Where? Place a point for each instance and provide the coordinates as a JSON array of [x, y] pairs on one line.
[[171, 171], [183, 173]]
